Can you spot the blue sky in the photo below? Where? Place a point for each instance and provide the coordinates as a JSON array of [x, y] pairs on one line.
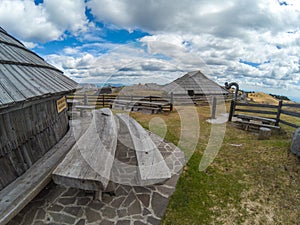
[[253, 42]]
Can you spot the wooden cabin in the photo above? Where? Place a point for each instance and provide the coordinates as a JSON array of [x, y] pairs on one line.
[[33, 114], [195, 84]]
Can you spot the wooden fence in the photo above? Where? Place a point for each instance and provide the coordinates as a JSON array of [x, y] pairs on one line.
[[105, 100], [270, 111]]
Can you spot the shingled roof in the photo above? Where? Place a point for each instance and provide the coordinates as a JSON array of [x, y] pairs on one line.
[[197, 82], [25, 76]]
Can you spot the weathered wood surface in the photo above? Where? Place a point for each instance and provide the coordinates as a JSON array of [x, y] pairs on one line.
[[135, 103], [21, 191], [84, 107], [246, 125], [289, 124], [87, 166], [264, 133], [139, 105], [257, 118], [151, 164], [26, 135], [256, 111]]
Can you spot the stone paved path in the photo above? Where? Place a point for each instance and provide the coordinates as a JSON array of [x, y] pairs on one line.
[[134, 205]]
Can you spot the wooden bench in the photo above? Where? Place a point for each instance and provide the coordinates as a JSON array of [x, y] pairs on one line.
[[139, 105], [93, 156], [255, 122], [84, 107], [124, 104], [256, 118], [152, 167], [20, 192], [247, 124]]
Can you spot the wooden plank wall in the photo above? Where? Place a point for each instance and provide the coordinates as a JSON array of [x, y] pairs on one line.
[[26, 135]]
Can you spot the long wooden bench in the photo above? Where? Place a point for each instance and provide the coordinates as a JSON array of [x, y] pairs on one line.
[[255, 122], [20, 192], [255, 118], [88, 164], [247, 124], [152, 167], [154, 107]]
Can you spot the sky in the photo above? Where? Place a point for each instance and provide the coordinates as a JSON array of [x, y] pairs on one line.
[[255, 43]]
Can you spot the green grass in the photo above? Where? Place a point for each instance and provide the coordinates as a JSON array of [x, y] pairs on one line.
[[250, 181]]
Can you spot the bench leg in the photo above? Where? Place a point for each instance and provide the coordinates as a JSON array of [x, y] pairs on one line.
[[98, 195], [81, 112]]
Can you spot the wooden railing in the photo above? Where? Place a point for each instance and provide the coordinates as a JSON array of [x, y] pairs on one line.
[[105, 100], [292, 110], [276, 112]]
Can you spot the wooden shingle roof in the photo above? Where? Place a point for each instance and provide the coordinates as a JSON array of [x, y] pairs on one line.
[[25, 76], [197, 82]]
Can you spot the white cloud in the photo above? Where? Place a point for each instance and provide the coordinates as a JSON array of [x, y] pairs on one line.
[[44, 22], [213, 36], [222, 18], [67, 14]]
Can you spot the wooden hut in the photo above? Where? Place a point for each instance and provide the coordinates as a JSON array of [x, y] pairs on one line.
[[33, 114], [195, 84]]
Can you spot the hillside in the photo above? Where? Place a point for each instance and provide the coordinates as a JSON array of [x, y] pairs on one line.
[[263, 98]]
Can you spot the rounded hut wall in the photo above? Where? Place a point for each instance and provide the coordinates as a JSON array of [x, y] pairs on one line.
[[26, 135]]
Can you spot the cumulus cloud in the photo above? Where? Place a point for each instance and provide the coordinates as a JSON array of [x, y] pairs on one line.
[[253, 42], [221, 18], [217, 35], [43, 22], [121, 64]]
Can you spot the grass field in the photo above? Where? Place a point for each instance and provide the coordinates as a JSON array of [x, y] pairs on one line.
[[250, 181]]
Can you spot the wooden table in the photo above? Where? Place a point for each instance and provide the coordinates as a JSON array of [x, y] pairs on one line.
[[84, 107], [257, 121], [88, 164], [153, 106]]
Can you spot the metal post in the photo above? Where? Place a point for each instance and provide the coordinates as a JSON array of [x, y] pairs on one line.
[[231, 112], [228, 86]]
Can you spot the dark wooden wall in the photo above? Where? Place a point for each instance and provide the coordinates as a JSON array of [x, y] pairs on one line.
[[26, 135]]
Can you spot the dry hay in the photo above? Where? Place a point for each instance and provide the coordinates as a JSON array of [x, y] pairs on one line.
[[263, 98]]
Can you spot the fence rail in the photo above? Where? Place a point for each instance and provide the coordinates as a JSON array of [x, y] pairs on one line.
[[278, 110], [105, 100]]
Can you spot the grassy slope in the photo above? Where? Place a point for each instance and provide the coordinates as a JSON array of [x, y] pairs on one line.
[[249, 182]]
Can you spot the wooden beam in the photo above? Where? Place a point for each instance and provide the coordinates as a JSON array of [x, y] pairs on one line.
[[256, 111], [20, 192], [151, 164], [88, 164]]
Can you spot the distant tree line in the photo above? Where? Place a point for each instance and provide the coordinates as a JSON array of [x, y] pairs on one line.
[[280, 97]]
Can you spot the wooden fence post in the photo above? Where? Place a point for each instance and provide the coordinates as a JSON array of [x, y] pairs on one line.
[[85, 99], [214, 107], [232, 108], [103, 100], [171, 101], [278, 113]]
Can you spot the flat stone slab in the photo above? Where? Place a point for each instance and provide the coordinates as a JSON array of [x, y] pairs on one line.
[[130, 205]]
